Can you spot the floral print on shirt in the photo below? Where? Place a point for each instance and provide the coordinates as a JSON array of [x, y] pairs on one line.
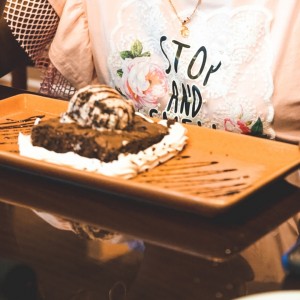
[[145, 83], [142, 80]]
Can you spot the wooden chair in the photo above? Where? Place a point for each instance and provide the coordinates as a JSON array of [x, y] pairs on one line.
[[19, 77], [13, 59]]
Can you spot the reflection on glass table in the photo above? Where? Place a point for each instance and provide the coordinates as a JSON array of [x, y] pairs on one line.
[[69, 266]]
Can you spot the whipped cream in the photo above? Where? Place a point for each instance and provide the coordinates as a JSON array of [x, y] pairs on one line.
[[126, 166]]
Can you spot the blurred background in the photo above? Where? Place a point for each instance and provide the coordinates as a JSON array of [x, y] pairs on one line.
[[23, 77]]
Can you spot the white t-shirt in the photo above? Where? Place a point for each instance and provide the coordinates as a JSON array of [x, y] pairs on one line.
[[220, 76]]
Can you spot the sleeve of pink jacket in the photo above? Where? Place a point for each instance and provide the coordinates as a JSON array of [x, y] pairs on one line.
[[286, 98], [70, 51], [58, 6]]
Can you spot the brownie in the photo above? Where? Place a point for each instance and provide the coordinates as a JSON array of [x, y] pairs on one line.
[[104, 145]]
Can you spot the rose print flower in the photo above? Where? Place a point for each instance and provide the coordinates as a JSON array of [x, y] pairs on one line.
[[236, 126], [143, 81], [239, 126]]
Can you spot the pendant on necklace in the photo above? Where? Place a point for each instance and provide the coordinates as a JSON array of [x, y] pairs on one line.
[[185, 32]]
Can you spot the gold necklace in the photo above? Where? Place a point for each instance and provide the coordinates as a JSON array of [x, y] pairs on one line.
[[184, 29]]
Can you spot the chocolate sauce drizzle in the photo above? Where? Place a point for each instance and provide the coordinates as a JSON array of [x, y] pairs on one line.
[[10, 128], [208, 179]]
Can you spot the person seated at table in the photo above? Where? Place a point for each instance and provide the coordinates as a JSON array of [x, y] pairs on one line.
[[231, 65]]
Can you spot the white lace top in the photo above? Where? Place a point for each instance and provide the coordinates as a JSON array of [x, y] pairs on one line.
[[220, 76]]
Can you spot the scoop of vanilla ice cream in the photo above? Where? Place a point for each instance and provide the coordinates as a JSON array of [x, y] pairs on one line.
[[99, 107]]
